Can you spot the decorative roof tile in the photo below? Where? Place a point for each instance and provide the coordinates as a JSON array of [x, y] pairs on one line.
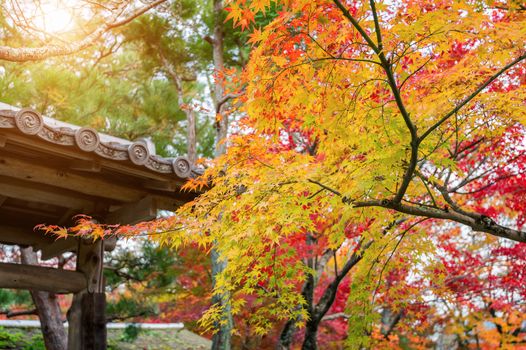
[[140, 152]]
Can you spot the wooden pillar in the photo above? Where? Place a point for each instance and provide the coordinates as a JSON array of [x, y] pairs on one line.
[[86, 316], [94, 321]]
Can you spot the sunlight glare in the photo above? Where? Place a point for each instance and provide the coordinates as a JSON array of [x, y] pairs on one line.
[[54, 17]]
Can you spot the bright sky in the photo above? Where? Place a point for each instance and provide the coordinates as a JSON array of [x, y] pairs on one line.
[[53, 16]]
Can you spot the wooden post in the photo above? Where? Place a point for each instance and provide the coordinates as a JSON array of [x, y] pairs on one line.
[[94, 321], [86, 316]]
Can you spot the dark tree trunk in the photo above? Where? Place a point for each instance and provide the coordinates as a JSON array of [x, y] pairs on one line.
[[48, 310], [318, 311], [311, 328], [311, 334], [286, 336]]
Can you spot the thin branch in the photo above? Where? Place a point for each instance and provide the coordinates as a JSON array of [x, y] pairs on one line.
[[393, 85], [472, 95], [376, 25], [336, 316], [225, 99], [402, 235], [356, 25]]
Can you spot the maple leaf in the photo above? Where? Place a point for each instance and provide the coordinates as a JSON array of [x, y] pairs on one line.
[[255, 37]]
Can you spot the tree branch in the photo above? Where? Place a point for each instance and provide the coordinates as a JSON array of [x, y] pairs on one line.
[[472, 96], [225, 99], [335, 316], [11, 313], [393, 85], [476, 221], [24, 54]]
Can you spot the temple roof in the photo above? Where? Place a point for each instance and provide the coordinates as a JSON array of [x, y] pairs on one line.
[[51, 171], [89, 140]]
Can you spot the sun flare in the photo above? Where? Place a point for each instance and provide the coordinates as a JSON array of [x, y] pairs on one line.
[[54, 17]]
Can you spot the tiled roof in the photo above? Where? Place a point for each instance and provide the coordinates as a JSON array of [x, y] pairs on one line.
[[140, 152]]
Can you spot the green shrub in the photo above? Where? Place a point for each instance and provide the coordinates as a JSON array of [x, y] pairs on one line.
[[36, 343], [9, 340], [130, 333]]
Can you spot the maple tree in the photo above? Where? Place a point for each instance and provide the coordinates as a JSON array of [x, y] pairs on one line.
[[357, 111], [365, 130]]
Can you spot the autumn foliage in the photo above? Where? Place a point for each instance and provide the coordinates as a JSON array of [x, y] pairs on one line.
[[372, 192]]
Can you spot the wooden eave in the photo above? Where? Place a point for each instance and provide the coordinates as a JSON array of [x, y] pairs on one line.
[[51, 171]]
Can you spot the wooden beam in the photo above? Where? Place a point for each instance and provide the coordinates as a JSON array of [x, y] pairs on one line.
[[43, 194], [110, 243], [91, 166], [58, 247], [167, 186], [86, 184], [18, 276], [94, 334], [30, 212], [15, 235], [132, 213], [167, 203]]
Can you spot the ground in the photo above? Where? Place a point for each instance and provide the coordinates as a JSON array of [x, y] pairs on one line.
[[118, 339]]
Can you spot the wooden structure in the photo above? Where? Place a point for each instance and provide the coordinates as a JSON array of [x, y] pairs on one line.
[[51, 171]]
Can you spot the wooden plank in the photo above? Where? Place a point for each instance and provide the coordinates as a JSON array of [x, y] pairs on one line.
[[44, 194], [30, 212], [166, 186], [18, 276], [86, 184], [132, 213]]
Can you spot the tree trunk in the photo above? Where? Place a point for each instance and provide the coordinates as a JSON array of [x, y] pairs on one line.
[[311, 333], [189, 112], [307, 291], [286, 336], [311, 328], [219, 65], [222, 339], [48, 310], [191, 136]]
